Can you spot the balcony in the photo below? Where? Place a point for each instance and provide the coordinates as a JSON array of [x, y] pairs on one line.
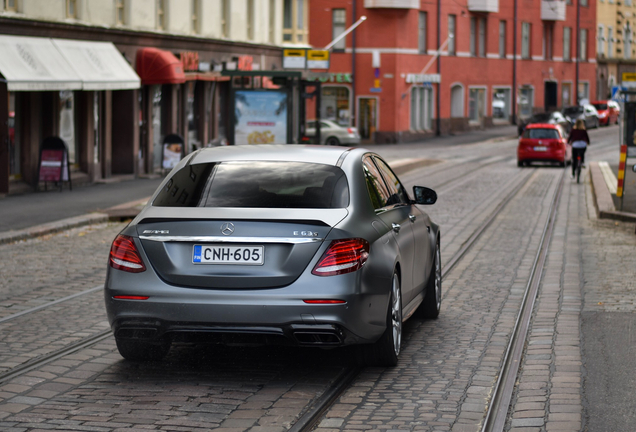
[[483, 5], [553, 10], [392, 4]]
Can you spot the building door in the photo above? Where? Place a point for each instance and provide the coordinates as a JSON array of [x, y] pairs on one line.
[[367, 117], [550, 96], [476, 105]]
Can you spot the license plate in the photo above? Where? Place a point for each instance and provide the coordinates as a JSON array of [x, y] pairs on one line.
[[540, 148], [213, 254]]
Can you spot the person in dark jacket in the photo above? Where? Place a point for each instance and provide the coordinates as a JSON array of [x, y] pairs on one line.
[[579, 140]]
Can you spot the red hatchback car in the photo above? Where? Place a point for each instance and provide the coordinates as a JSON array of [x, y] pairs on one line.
[[543, 143], [607, 112]]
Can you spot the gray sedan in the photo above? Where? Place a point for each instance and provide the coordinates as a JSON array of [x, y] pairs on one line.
[[331, 133], [302, 245]]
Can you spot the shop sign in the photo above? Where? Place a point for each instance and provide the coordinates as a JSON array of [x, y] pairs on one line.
[[294, 59], [189, 61], [318, 59], [245, 63], [52, 162], [261, 117], [423, 78], [331, 78]]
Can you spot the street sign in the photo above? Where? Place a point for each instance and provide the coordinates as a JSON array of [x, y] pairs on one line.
[[317, 59], [629, 79], [294, 59]]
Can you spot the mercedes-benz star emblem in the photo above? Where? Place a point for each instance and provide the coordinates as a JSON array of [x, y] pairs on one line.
[[227, 228]]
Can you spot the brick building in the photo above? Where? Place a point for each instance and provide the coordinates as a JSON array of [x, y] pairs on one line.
[[379, 82]]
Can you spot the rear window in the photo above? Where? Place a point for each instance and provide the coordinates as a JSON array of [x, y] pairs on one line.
[[541, 134], [256, 185], [600, 106]]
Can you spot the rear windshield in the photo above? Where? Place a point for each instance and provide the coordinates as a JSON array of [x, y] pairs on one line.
[[540, 118], [256, 185], [600, 106], [541, 134], [572, 110]]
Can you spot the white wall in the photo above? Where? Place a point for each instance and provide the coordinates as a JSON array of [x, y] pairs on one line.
[[142, 15]]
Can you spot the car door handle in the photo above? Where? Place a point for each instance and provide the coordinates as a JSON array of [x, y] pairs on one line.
[[396, 227], [412, 218]]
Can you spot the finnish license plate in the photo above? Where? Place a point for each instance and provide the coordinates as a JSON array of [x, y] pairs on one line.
[[540, 148], [216, 254]]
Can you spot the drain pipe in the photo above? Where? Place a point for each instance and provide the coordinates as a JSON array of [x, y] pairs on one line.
[[439, 68], [513, 96]]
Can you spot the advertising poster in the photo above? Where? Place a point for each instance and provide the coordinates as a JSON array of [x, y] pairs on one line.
[[260, 117]]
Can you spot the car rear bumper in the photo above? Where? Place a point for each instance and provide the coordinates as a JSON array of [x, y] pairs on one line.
[[277, 315], [531, 155]]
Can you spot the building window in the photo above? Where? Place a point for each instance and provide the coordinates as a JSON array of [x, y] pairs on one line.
[[583, 46], [71, 8], [610, 42], [567, 44], [525, 40], [476, 104], [457, 101], [338, 27], [11, 5], [295, 21], [548, 32], [482, 37], [120, 15], [195, 16], [225, 18], [421, 108], [161, 15], [473, 36], [334, 105], [452, 19], [250, 19], [600, 41], [584, 91], [272, 21], [502, 39], [421, 33], [584, 2], [627, 41], [526, 101], [501, 104]]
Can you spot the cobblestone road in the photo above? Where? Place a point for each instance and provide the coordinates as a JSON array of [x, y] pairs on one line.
[[447, 368]]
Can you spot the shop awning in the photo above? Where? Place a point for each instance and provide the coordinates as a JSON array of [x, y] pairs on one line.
[[156, 66], [35, 64], [43, 64], [99, 65]]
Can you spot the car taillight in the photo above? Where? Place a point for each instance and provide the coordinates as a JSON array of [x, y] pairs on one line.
[[342, 256], [352, 131], [125, 256]]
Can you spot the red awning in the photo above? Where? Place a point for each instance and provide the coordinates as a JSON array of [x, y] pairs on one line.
[[155, 66]]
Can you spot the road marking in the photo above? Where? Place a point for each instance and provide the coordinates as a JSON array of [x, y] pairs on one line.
[[608, 175]]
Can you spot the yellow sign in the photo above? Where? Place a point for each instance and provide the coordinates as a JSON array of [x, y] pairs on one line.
[[317, 59], [318, 55], [629, 76], [294, 59]]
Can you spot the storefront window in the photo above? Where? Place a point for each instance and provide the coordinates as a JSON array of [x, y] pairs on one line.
[[421, 108], [335, 105], [193, 130], [526, 97], [67, 123], [501, 104], [476, 104], [156, 127]]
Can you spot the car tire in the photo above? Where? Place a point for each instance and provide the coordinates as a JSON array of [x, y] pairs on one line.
[[432, 303], [332, 141], [520, 163], [136, 350], [386, 350]]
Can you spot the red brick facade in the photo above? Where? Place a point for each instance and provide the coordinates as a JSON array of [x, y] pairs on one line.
[[469, 78]]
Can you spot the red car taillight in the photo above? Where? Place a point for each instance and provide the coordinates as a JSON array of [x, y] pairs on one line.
[[125, 256], [352, 131], [342, 256]]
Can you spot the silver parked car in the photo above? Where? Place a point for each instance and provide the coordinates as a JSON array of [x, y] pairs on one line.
[[303, 245], [331, 133]]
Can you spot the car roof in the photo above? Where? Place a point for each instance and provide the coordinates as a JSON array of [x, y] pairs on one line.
[[542, 126], [271, 152]]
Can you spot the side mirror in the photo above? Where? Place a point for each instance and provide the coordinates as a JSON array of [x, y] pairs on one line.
[[424, 195]]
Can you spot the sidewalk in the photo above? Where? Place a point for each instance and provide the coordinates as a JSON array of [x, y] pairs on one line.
[[607, 205]]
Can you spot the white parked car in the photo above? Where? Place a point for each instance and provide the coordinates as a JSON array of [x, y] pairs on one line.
[[331, 133]]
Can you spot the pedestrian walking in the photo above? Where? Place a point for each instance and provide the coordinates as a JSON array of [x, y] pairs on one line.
[[579, 139]]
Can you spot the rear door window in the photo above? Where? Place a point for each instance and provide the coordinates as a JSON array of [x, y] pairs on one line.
[[378, 192], [256, 185], [397, 192]]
